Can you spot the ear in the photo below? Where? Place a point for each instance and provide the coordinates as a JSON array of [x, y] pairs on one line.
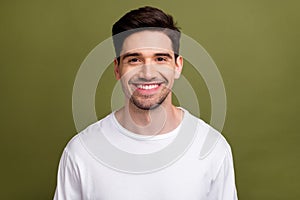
[[178, 66], [116, 69]]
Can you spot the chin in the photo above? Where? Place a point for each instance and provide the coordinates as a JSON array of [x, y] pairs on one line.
[[146, 105]]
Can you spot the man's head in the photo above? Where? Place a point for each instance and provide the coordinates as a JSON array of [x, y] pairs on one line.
[[147, 56], [145, 18]]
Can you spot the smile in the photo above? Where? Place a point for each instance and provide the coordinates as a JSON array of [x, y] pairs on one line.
[[147, 87]]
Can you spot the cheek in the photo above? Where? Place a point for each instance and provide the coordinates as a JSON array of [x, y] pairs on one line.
[[168, 70], [168, 74], [128, 71], [127, 75]]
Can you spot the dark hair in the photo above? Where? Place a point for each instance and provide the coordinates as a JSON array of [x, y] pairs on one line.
[[145, 18]]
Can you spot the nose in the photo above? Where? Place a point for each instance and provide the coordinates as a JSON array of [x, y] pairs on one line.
[[147, 71]]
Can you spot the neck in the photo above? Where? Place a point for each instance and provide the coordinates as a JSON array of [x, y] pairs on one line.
[[160, 120]]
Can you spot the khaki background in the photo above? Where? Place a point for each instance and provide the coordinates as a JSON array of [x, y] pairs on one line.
[[255, 45]]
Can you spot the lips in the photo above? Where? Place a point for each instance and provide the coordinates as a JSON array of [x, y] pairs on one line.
[[147, 86]]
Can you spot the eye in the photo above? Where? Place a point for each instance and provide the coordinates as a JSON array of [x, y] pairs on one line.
[[134, 61], [161, 59]]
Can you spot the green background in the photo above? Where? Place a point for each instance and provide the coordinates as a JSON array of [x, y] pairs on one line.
[[255, 45]]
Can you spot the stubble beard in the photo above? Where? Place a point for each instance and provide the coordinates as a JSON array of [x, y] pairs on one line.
[[145, 102]]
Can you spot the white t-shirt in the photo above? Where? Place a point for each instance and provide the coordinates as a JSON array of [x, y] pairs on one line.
[[203, 171]]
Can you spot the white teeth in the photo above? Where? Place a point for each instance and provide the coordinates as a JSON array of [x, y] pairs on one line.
[[147, 87]]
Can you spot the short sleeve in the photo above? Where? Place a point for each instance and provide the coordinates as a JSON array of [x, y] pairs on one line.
[[68, 182], [223, 186]]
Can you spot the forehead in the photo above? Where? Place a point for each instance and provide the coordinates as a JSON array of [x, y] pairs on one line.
[[146, 40]]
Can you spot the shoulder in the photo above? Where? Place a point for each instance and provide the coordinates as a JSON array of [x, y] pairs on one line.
[[75, 146], [212, 143]]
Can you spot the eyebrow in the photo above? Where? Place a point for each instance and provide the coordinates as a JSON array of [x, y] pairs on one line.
[[139, 54], [164, 54], [129, 55]]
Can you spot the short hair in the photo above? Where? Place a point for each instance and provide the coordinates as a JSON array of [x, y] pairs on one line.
[[145, 18]]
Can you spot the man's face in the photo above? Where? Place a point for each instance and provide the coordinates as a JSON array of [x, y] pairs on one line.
[[147, 68]]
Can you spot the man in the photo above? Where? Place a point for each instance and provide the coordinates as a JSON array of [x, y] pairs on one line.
[[129, 155]]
